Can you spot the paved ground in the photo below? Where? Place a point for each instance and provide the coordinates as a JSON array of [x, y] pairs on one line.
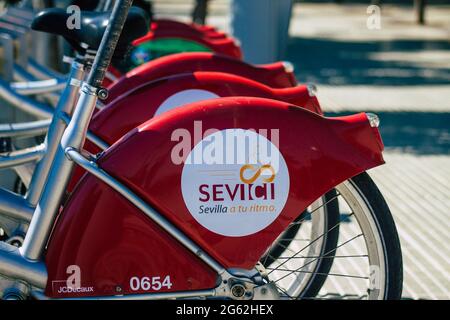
[[401, 72]]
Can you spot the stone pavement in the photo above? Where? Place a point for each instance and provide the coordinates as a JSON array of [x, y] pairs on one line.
[[402, 73]]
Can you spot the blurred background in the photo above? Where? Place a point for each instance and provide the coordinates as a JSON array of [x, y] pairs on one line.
[[391, 58]]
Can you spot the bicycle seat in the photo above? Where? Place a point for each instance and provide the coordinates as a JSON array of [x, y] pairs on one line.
[[91, 28]]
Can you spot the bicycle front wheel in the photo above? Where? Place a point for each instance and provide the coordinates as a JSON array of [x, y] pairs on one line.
[[366, 259]]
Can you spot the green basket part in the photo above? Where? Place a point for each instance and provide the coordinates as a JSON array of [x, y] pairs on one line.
[[162, 47]]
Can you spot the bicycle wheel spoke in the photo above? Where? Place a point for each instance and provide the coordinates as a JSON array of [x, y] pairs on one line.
[[268, 256], [326, 274], [311, 243], [327, 257], [294, 271], [308, 214], [335, 261], [284, 291]]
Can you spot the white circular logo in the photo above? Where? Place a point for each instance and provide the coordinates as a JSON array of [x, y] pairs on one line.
[[184, 97], [235, 182]]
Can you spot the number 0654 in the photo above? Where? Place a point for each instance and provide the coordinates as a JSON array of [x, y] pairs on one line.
[[150, 283]]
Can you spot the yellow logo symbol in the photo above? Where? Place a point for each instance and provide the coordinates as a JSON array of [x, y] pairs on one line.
[[257, 174]]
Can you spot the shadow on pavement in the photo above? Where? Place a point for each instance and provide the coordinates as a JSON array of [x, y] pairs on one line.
[[339, 62]]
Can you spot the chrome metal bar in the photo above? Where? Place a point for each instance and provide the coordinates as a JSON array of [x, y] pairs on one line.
[[25, 172], [55, 132], [19, 157], [107, 5], [146, 296], [15, 206], [91, 136], [42, 72], [59, 175], [26, 104], [25, 129], [94, 169], [38, 87], [74, 136], [13, 265], [97, 141], [21, 75]]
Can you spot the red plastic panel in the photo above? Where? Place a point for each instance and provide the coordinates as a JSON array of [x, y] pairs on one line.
[[111, 240], [273, 75], [206, 31], [137, 106], [132, 109], [111, 243], [165, 24]]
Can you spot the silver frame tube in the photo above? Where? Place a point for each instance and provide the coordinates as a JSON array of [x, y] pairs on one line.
[[20, 157], [13, 265], [25, 172], [21, 75], [38, 87], [24, 129], [24, 103], [55, 132], [28, 84], [15, 206], [97, 141], [58, 177]]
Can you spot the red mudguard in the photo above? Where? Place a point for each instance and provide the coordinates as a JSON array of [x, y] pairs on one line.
[[142, 103], [274, 75], [206, 31], [112, 243], [133, 108]]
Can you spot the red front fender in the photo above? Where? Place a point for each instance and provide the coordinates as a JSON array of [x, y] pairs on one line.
[[207, 31], [112, 241], [133, 108], [274, 75]]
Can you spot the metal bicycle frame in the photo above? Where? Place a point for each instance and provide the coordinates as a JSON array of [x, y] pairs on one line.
[[29, 84], [30, 156], [26, 264], [16, 93], [12, 205], [33, 78]]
